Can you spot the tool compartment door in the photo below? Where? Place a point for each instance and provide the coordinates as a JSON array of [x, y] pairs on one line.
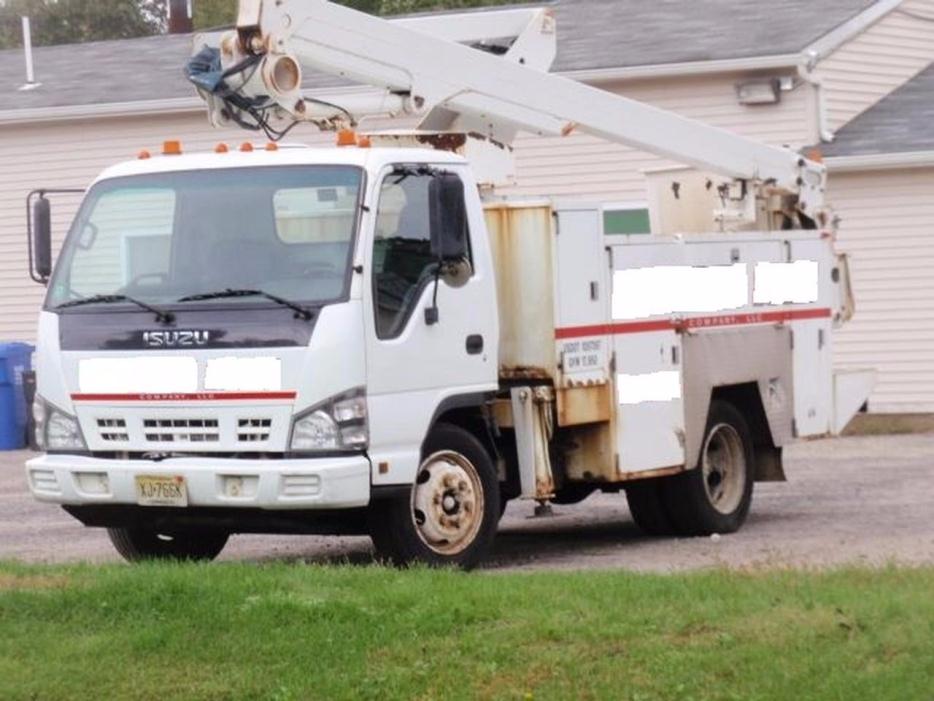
[[581, 296], [650, 404]]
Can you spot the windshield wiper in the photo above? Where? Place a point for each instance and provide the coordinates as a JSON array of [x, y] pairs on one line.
[[161, 315], [300, 311]]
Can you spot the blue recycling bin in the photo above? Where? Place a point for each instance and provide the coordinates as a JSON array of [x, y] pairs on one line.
[[15, 359]]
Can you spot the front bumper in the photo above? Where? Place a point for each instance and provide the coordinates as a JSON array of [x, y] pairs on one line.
[[310, 483]]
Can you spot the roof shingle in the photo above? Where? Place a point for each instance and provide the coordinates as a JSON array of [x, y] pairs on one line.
[[903, 122]]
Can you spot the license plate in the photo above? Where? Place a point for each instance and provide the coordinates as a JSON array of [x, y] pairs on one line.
[[161, 491]]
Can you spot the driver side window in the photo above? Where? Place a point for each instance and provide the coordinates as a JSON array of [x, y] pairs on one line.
[[402, 261]]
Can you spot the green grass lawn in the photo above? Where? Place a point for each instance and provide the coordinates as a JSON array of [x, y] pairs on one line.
[[281, 631]]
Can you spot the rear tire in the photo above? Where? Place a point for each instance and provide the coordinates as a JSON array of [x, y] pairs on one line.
[[647, 506], [450, 516], [137, 544], [715, 496]]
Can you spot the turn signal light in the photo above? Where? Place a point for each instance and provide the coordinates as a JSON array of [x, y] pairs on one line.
[[172, 148]]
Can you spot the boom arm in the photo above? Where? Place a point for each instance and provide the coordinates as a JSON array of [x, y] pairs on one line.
[[455, 87]]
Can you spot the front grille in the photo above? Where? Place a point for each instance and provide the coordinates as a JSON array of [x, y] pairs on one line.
[[112, 430], [181, 430], [253, 430]]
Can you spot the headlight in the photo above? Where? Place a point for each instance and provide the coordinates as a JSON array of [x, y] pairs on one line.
[[338, 424], [56, 430]]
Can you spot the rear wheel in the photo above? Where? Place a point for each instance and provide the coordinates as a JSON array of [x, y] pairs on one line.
[[716, 495], [451, 514], [135, 544]]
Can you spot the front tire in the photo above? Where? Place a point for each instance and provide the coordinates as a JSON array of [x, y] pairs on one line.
[[715, 496], [138, 544], [451, 514]]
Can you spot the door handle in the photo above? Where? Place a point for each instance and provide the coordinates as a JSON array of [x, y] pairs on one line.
[[474, 344]]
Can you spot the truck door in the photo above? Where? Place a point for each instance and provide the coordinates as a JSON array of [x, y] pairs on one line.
[[416, 364]]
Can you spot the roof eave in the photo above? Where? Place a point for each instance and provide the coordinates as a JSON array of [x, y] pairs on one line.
[[669, 70], [37, 115], [880, 161]]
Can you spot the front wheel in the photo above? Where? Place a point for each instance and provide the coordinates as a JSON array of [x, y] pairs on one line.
[[716, 495], [136, 544], [450, 516]]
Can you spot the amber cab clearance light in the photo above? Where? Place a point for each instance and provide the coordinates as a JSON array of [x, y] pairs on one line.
[[246, 147], [143, 155], [816, 155], [221, 148], [172, 148], [346, 137], [272, 146], [364, 142]]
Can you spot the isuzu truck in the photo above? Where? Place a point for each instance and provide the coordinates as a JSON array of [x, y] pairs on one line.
[[368, 339]]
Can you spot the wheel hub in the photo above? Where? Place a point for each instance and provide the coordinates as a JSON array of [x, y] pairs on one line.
[[447, 503], [724, 466]]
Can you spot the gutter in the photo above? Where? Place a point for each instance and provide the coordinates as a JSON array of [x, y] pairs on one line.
[[880, 161], [667, 70], [37, 115]]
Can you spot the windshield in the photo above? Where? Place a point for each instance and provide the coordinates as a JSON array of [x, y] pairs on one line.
[[158, 238]]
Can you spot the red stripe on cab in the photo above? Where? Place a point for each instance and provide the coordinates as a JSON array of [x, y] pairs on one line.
[[183, 397]]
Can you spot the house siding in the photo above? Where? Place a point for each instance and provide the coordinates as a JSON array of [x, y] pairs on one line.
[[888, 230], [878, 61], [581, 165]]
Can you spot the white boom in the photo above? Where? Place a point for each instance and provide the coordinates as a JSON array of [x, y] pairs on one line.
[[422, 68]]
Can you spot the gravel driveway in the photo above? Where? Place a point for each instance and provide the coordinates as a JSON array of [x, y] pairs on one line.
[[850, 500]]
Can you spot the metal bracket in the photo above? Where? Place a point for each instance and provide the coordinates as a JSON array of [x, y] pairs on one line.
[[532, 410]]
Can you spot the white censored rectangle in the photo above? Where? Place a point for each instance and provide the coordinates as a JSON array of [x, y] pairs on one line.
[[786, 283], [122, 375], [679, 289], [652, 387], [243, 375]]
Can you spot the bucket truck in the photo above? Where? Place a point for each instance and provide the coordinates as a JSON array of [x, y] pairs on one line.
[[369, 340]]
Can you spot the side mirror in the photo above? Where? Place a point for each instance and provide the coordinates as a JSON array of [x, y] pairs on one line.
[[448, 217], [41, 227]]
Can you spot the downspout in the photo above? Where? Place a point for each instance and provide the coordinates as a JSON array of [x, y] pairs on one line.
[[806, 73]]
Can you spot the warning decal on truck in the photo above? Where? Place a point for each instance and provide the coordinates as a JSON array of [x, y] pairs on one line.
[[584, 355]]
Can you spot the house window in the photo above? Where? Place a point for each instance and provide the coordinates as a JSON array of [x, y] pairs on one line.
[[626, 219]]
